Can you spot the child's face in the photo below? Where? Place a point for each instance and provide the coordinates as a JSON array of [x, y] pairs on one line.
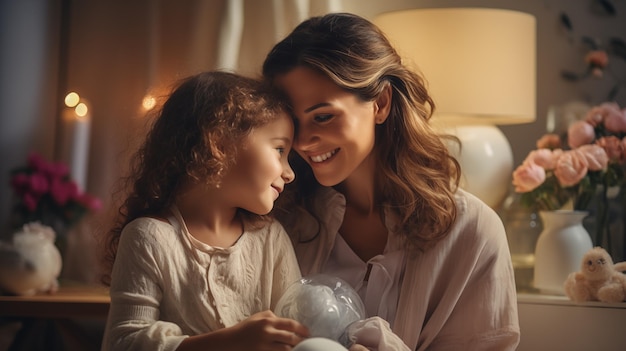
[[261, 169]]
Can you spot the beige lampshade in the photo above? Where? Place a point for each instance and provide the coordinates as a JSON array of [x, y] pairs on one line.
[[480, 63], [480, 67]]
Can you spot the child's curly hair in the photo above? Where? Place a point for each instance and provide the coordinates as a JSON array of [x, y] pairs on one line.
[[193, 139]]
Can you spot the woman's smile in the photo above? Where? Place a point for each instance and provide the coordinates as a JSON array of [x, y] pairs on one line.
[[323, 157]]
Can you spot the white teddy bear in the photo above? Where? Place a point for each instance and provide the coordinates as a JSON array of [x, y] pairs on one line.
[[598, 279], [31, 263]]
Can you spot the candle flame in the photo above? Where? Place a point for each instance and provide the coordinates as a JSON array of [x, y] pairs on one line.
[[148, 102], [72, 99], [81, 110]]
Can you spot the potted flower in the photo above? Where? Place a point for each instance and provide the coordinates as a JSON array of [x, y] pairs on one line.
[[556, 177], [581, 176], [44, 192]]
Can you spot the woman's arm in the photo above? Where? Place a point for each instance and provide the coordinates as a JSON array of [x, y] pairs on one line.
[[263, 331]]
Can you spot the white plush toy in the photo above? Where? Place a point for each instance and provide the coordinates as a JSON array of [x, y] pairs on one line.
[[326, 305], [31, 263], [598, 279]]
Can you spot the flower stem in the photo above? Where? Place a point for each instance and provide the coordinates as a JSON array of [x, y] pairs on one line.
[[603, 214]]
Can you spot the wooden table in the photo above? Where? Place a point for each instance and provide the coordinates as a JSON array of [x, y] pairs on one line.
[[59, 316], [72, 301]]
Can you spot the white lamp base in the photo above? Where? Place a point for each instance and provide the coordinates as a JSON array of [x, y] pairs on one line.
[[486, 161]]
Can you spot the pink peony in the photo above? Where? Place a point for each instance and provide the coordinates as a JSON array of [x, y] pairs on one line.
[[597, 158], [549, 141], [597, 58], [615, 120], [528, 176], [544, 158], [613, 147], [598, 114], [580, 133], [570, 168]]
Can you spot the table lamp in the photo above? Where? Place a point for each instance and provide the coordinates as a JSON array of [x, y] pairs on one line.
[[480, 67]]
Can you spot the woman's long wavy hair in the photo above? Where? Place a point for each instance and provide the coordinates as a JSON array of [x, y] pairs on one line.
[[417, 175], [193, 140]]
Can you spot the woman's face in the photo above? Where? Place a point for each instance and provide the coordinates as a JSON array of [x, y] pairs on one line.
[[334, 128]]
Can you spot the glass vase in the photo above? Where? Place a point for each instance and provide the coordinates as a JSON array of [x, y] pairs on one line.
[[523, 226], [606, 222]]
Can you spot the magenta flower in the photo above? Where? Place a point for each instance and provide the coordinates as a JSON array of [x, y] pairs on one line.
[[36, 162], [30, 201], [38, 184], [91, 202], [43, 191]]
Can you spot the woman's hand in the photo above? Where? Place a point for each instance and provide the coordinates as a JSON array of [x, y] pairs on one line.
[[265, 331]]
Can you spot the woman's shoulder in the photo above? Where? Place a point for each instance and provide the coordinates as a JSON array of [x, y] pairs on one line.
[[475, 218], [470, 205]]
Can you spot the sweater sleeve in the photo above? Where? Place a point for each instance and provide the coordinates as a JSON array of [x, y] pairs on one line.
[[136, 291], [286, 270], [478, 307], [460, 294]]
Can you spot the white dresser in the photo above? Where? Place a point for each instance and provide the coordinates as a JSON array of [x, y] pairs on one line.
[[555, 323]]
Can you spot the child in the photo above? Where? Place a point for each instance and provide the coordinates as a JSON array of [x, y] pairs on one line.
[[193, 262]]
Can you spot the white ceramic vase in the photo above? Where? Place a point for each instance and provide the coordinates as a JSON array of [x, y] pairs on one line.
[[560, 249]]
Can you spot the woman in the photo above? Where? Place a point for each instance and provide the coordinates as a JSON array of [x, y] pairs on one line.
[[376, 198]]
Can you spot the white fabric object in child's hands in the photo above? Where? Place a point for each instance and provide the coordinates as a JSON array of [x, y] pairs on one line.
[[325, 305], [375, 334]]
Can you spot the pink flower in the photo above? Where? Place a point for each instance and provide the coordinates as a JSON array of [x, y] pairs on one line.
[[20, 183], [544, 158], [615, 119], [62, 191], [597, 72], [613, 147], [570, 168], [528, 176], [549, 141], [37, 162], [598, 114], [91, 202], [38, 183], [30, 201], [597, 58], [58, 169], [580, 133], [597, 158]]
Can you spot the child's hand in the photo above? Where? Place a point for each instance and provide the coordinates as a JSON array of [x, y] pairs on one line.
[[265, 331], [357, 347]]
